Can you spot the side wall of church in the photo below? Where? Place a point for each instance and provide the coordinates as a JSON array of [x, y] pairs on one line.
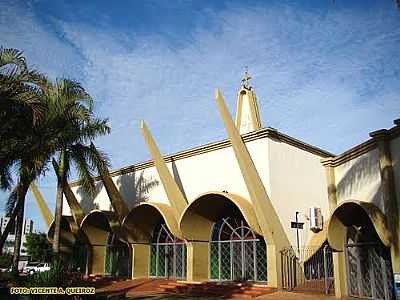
[[298, 182], [395, 151], [217, 170], [359, 179]]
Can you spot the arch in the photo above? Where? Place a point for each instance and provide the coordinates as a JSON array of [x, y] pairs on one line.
[[198, 218], [139, 224], [368, 263], [236, 252], [167, 254], [96, 226], [116, 262], [98, 223], [69, 232], [354, 212]]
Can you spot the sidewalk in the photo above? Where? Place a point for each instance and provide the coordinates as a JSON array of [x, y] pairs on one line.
[[294, 296]]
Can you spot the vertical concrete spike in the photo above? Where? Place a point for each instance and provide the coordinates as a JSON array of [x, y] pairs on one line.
[[265, 211], [174, 194], [41, 203], [76, 209], [114, 195], [268, 219]]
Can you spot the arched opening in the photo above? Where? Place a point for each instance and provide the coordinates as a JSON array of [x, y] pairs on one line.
[[116, 262], [228, 224], [167, 254], [198, 218], [97, 226], [368, 262], [359, 230], [237, 253], [67, 233]]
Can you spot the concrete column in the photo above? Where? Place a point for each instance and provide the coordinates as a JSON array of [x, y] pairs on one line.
[[197, 261], [98, 255], [391, 206], [274, 266], [339, 264], [340, 274], [140, 260], [331, 184]]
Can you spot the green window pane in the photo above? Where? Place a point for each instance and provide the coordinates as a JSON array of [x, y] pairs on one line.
[[214, 270], [261, 261]]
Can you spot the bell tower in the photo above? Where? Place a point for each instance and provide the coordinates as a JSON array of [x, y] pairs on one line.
[[247, 113]]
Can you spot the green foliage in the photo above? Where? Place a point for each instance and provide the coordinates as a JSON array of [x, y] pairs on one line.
[[59, 277], [77, 259], [38, 247], [20, 109], [42, 119], [6, 260], [56, 276]]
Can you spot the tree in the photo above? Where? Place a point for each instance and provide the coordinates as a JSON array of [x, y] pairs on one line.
[[21, 110], [38, 247], [42, 119], [80, 128], [20, 106], [6, 260]]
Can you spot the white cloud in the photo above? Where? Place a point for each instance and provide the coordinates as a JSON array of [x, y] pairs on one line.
[[21, 29], [317, 76], [326, 77]]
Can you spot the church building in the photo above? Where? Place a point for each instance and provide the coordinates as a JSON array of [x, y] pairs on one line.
[[259, 206]]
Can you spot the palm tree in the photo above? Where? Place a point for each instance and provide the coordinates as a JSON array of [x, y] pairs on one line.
[[39, 120], [77, 128], [21, 109], [20, 106], [29, 165]]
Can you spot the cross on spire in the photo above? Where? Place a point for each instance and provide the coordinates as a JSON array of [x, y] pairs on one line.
[[245, 79]]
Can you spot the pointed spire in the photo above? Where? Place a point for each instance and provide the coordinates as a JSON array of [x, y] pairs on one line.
[[247, 112]]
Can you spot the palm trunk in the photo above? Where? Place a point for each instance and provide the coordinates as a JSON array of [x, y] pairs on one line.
[[59, 204], [19, 224], [10, 224]]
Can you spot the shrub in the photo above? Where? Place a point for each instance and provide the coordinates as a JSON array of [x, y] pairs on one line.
[[6, 260]]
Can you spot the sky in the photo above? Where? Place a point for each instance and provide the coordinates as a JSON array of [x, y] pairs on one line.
[[326, 72]]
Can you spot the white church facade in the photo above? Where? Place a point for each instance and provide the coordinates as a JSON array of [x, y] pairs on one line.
[[243, 208]]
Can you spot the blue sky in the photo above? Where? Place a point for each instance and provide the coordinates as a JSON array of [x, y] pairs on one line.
[[326, 72]]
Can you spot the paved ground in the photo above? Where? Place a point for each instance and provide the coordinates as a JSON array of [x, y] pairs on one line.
[[294, 296], [142, 288]]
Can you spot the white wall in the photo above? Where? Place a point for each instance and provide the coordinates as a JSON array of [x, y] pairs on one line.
[[359, 179], [212, 171], [298, 182], [395, 151], [295, 180]]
